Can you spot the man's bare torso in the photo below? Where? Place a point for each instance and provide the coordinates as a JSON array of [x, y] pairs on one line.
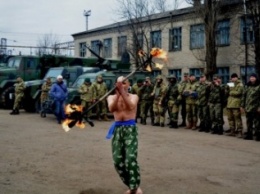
[[122, 112]]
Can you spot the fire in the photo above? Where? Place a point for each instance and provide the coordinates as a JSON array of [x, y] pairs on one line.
[[158, 53], [158, 65], [72, 112]]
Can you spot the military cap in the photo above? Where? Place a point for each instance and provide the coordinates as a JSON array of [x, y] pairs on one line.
[[234, 75], [159, 77], [171, 76], [87, 80], [216, 76], [99, 76], [202, 75], [139, 81], [185, 74], [254, 75]]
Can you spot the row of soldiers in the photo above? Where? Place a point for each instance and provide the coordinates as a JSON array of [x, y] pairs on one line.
[[201, 102]]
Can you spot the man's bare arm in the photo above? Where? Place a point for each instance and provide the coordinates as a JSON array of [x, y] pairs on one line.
[[112, 102], [130, 100]]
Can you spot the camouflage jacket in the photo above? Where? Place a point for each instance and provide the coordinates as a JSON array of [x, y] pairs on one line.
[[250, 99], [216, 94], [87, 92], [234, 95], [136, 90], [159, 92], [202, 93], [190, 89], [101, 89], [146, 91], [45, 91], [173, 93], [19, 88]]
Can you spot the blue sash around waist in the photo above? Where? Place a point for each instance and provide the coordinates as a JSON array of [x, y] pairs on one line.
[[118, 123]]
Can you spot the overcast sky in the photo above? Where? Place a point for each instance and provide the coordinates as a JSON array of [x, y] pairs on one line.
[[23, 22]]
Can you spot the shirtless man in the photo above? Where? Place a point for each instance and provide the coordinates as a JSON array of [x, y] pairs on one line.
[[123, 105]]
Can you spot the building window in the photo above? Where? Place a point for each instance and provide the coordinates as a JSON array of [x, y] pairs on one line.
[[176, 72], [139, 41], [156, 72], [107, 48], [175, 39], [96, 46], [246, 31], [82, 49], [122, 40], [223, 72], [197, 36], [250, 70], [196, 72], [222, 33], [156, 39]]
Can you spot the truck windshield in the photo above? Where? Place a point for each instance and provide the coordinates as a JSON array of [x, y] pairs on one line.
[[53, 73], [14, 62]]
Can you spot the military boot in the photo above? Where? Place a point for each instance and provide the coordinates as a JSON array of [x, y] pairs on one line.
[[13, 112], [220, 130], [144, 121], [214, 130], [106, 118], [257, 136], [152, 121], [174, 125], [202, 127], [248, 135]]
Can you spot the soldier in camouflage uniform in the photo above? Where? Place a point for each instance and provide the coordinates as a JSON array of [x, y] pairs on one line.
[[250, 104], [19, 93], [182, 86], [159, 93], [190, 92], [202, 102], [146, 101], [87, 95], [216, 94], [173, 98], [136, 90], [101, 89], [45, 91], [233, 106]]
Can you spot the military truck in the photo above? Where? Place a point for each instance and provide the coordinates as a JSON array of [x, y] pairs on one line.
[[31, 100], [109, 78], [34, 68]]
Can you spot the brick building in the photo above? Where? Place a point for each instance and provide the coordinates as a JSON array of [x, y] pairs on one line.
[[182, 34]]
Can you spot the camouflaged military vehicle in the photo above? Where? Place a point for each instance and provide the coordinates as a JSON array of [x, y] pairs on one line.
[[33, 68]]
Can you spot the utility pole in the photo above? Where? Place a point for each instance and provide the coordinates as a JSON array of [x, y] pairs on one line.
[[245, 39], [87, 14]]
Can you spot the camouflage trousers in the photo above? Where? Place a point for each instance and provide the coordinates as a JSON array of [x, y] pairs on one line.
[[145, 107], [204, 116], [101, 108], [173, 110], [85, 106], [124, 149], [159, 112], [192, 111], [17, 101], [234, 119], [216, 114], [253, 122]]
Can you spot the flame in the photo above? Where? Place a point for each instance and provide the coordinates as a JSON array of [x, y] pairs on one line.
[[158, 65], [158, 53], [148, 68], [69, 109]]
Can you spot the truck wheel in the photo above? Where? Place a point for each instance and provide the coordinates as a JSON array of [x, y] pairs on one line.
[[7, 98]]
